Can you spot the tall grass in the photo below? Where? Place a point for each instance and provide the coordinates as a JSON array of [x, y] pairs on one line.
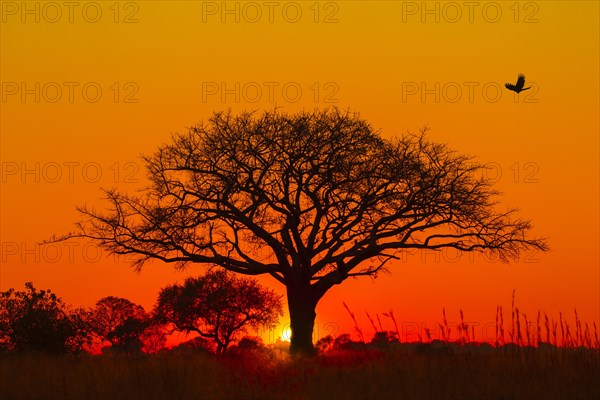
[[390, 315], [563, 366], [564, 374], [356, 325], [522, 330]]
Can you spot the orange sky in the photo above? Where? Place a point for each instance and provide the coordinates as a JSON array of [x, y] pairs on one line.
[[163, 66]]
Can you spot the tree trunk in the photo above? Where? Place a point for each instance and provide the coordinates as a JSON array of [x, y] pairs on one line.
[[302, 303]]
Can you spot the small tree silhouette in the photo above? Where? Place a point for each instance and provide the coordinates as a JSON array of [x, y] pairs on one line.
[[218, 306], [110, 313], [39, 321], [126, 326], [310, 199]]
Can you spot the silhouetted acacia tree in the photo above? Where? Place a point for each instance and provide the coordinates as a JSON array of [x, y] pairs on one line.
[[127, 337], [110, 313], [218, 306], [39, 321], [126, 325], [310, 198]]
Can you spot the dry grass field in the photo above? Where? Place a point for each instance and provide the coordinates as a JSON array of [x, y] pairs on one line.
[[401, 372]]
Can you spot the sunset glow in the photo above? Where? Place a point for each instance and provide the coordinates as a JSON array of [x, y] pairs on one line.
[[175, 63], [286, 335], [348, 199]]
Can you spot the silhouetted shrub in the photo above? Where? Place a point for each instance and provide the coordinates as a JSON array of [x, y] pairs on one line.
[[126, 326], [39, 321], [218, 306]]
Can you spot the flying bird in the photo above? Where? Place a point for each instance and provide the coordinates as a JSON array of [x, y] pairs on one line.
[[518, 87]]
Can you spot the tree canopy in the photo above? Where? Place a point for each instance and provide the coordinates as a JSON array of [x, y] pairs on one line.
[[310, 198], [39, 321], [218, 306], [126, 325]]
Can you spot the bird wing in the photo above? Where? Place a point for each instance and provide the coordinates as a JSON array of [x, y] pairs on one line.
[[510, 86], [521, 81]]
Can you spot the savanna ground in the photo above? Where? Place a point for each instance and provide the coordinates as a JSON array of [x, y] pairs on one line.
[[404, 372]]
